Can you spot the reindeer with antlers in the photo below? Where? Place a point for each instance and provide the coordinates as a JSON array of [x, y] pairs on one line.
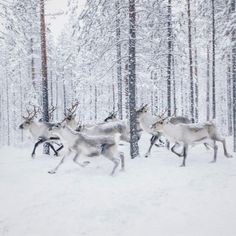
[[39, 130], [191, 134], [146, 120]]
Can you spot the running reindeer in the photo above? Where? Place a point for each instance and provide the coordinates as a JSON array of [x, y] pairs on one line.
[[190, 134], [39, 130], [82, 143], [146, 120]]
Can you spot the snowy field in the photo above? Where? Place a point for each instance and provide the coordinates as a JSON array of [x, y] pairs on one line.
[[152, 197]]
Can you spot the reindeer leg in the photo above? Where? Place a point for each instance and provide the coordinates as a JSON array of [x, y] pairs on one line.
[[122, 158], [36, 145], [53, 171], [185, 154], [85, 163], [109, 154], [59, 149], [176, 153], [154, 138], [222, 140], [51, 146]]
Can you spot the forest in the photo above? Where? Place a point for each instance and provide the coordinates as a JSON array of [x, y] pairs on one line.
[[122, 77]]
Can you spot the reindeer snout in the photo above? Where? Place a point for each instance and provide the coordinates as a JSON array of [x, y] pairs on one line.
[[21, 126]]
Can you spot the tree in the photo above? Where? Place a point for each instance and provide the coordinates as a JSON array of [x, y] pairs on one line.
[[119, 66], [213, 62], [233, 11], [44, 67], [169, 60], [192, 103], [134, 149]]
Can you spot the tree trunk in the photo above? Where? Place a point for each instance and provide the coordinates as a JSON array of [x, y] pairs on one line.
[[208, 85], [234, 81], [134, 149], [44, 67], [192, 105], [95, 103], [213, 62], [229, 95], [196, 78], [169, 61], [118, 55], [127, 90]]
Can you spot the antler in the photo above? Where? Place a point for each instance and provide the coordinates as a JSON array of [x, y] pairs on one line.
[[51, 110], [31, 114], [162, 115], [73, 108]]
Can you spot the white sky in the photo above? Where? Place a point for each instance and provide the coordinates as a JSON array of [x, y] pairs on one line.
[[57, 23]]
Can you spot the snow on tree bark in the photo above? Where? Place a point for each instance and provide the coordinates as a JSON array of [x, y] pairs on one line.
[[134, 149], [44, 67], [169, 60], [213, 62], [119, 66], [192, 104]]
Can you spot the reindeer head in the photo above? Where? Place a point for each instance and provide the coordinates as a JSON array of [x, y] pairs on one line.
[[111, 117], [142, 110], [70, 115], [29, 118], [161, 120], [158, 126]]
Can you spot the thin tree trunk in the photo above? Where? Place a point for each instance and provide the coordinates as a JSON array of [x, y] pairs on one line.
[[196, 78], [127, 90], [134, 149], [95, 103], [32, 64], [119, 66], [234, 81], [192, 105], [213, 62], [64, 97], [169, 61], [174, 85], [44, 67], [208, 85], [229, 95]]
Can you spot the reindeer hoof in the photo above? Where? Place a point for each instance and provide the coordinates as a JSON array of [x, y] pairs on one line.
[[229, 156], [51, 172], [56, 154], [213, 161], [33, 156], [183, 165], [147, 155]]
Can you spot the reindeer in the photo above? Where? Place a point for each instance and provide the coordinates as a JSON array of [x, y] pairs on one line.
[[191, 134], [82, 143], [70, 116], [39, 130], [146, 120]]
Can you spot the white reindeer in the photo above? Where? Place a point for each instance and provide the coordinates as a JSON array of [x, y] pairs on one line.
[[84, 144], [191, 134], [146, 119], [39, 131]]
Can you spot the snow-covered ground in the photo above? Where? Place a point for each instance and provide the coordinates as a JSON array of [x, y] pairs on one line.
[[152, 197]]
